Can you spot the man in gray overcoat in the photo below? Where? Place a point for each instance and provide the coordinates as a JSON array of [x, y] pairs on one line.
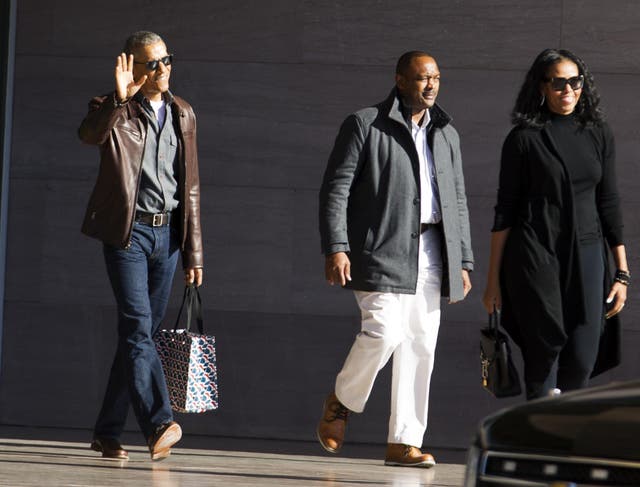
[[394, 226]]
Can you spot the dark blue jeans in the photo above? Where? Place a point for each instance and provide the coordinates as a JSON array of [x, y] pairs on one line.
[[141, 277]]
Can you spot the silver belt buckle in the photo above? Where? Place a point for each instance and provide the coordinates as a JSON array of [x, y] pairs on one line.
[[157, 219]]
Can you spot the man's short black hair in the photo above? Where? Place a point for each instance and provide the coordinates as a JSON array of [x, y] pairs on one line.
[[405, 60], [140, 38]]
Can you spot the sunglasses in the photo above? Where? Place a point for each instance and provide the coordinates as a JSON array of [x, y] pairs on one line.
[[153, 65], [558, 84]]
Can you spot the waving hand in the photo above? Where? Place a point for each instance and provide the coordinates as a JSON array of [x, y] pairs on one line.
[[126, 86]]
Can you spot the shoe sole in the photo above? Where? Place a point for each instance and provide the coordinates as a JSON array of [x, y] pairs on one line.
[[162, 447], [327, 449], [425, 464], [116, 459], [161, 455], [95, 447]]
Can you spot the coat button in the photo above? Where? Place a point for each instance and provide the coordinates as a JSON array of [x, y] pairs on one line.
[[416, 201], [415, 235]]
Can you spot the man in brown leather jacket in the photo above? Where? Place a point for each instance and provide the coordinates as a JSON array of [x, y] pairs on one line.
[[145, 208]]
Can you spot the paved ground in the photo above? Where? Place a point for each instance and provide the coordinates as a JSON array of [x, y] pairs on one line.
[[26, 460]]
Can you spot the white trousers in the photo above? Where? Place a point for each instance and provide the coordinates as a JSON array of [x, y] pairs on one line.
[[405, 326]]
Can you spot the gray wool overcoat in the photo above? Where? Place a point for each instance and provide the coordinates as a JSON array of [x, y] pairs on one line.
[[370, 206]]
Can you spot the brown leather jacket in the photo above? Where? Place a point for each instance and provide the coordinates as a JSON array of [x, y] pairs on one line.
[[120, 133]]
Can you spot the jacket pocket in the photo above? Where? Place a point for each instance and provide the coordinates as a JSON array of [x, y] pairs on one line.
[[129, 132], [368, 241]]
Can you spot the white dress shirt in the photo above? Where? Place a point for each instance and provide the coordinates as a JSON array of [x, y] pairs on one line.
[[429, 200]]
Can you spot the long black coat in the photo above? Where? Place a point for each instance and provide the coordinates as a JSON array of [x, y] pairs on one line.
[[542, 294]]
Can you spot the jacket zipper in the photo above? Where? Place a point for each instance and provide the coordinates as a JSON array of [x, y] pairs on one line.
[[183, 116], [135, 200]]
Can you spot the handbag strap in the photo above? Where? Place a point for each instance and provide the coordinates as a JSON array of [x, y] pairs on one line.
[[494, 320], [193, 302]]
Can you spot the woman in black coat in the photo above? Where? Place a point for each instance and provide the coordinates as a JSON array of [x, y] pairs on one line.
[[557, 210]]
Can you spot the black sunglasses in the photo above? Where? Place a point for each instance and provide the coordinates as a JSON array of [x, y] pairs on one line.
[[153, 65], [558, 84]]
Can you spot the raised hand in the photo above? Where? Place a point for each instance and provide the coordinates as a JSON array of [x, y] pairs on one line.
[[126, 85]]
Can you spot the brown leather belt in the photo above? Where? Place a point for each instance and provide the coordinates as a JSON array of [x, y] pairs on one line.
[[153, 219]]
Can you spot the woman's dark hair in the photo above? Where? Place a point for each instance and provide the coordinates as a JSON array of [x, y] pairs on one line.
[[530, 109]]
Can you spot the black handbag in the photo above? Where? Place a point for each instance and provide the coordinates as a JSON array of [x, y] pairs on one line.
[[610, 348], [499, 374]]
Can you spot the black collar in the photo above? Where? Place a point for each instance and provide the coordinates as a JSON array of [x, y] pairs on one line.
[[394, 108]]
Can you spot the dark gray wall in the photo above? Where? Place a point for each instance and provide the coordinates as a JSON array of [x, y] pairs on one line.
[[271, 82], [7, 57]]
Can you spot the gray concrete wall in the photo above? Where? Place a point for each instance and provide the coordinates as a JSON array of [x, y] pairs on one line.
[[271, 81]]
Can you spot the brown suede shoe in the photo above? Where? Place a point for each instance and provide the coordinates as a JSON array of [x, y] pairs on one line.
[[399, 455], [110, 448], [160, 443], [331, 427]]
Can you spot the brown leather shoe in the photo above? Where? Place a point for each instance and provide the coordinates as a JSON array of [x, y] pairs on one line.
[[399, 455], [110, 448], [332, 425], [160, 443]]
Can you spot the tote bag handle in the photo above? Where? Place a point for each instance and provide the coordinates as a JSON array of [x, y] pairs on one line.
[[193, 303]]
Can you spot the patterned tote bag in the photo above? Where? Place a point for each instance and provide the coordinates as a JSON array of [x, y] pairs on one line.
[[189, 359]]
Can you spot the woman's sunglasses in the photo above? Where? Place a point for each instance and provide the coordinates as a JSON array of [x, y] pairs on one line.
[[558, 84], [153, 65]]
